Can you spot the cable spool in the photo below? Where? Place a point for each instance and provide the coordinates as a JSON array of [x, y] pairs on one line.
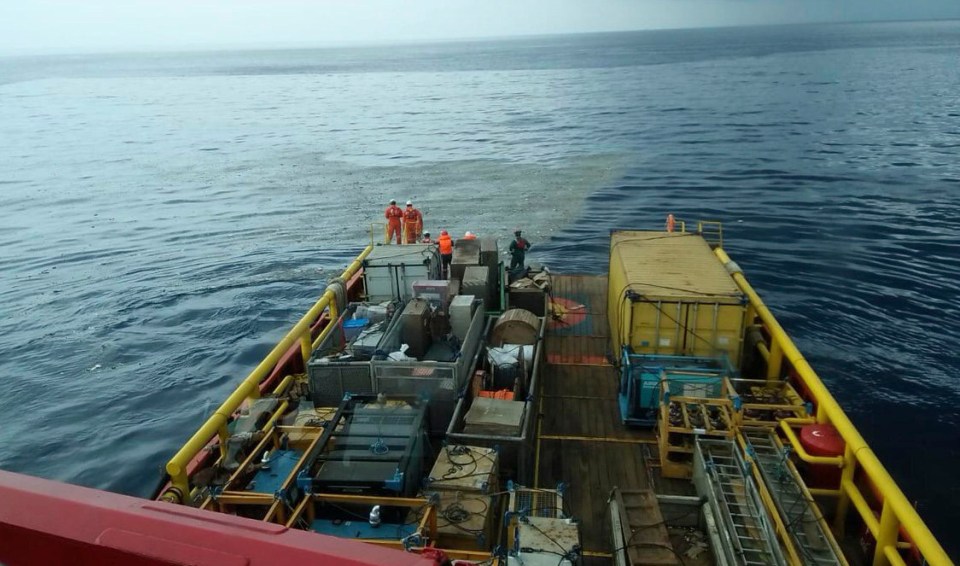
[[516, 326]]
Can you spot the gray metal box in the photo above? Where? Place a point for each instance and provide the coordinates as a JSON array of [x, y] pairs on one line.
[[461, 313], [533, 299], [490, 257], [337, 367], [415, 327], [441, 383], [390, 270], [465, 253], [489, 252], [476, 282]]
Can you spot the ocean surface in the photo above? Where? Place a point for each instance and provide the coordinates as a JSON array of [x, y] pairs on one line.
[[167, 217]]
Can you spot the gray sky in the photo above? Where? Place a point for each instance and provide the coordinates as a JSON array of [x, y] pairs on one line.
[[37, 26]]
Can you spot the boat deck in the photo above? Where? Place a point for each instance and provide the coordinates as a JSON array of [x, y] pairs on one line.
[[581, 440]]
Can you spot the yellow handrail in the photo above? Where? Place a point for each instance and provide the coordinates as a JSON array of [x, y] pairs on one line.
[[896, 511], [249, 387], [716, 229], [801, 451]]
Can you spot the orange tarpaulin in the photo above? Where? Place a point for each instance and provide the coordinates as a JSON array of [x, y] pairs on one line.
[[504, 394]]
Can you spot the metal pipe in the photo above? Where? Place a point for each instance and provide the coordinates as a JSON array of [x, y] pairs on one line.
[[774, 361], [656, 328], [764, 352], [860, 503], [843, 504], [886, 534], [536, 456], [281, 408], [177, 466], [893, 556], [676, 330], [802, 452], [908, 517], [691, 330]]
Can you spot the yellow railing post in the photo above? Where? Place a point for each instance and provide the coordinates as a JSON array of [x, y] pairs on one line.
[[223, 433], [774, 361], [306, 346], [897, 508], [249, 387], [843, 503], [886, 535]]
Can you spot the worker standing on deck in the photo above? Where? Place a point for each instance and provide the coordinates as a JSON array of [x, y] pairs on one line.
[[393, 216], [412, 223], [518, 251], [446, 252], [426, 238]]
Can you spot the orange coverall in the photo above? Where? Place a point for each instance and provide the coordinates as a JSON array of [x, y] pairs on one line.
[[412, 224], [393, 216]]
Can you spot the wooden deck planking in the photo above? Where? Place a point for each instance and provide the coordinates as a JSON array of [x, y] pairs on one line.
[[581, 439], [590, 287], [578, 350], [578, 329], [590, 471]]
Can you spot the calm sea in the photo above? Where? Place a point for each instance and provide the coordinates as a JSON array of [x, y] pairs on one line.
[[166, 217]]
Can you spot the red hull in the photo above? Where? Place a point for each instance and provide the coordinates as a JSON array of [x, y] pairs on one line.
[[46, 522]]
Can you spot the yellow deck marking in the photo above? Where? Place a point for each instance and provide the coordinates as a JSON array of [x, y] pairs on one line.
[[598, 439]]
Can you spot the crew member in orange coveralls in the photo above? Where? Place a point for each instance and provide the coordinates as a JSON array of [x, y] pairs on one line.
[[412, 223], [446, 252], [393, 216]]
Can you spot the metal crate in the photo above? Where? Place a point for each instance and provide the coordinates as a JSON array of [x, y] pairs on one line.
[[331, 379], [438, 383], [516, 452]]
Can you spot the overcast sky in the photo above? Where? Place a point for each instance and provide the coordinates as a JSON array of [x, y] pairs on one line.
[[38, 26]]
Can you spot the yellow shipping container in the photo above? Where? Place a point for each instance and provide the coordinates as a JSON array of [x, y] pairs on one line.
[[669, 294]]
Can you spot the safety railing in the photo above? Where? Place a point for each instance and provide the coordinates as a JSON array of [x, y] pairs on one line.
[[712, 232], [896, 512], [249, 388]]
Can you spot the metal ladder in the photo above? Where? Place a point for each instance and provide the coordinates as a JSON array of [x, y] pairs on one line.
[[746, 534], [800, 515]]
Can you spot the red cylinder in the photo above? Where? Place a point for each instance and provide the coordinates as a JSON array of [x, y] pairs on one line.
[[823, 440]]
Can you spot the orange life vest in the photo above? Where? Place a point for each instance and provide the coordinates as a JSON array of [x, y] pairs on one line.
[[446, 244]]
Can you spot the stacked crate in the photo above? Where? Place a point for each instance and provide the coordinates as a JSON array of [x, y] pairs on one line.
[[689, 410], [463, 482], [765, 403]]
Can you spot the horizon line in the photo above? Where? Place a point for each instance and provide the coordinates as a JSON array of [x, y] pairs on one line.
[[341, 44]]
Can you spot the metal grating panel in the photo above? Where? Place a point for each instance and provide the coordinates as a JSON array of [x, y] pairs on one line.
[[536, 502]]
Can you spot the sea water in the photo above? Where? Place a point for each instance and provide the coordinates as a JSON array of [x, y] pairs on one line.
[[167, 217]]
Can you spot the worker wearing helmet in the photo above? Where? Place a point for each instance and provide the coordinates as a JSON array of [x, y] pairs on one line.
[[426, 238], [469, 236], [412, 223], [446, 252], [393, 215], [518, 251]]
